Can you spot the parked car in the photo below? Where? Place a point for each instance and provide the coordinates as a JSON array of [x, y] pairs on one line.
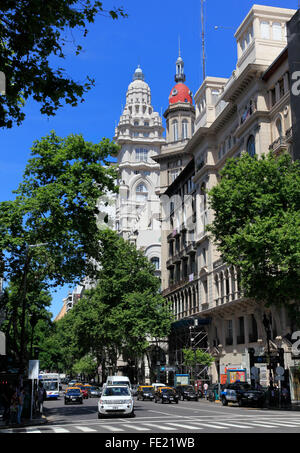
[[145, 392], [166, 395], [242, 394], [187, 392], [95, 392], [73, 395], [116, 400]]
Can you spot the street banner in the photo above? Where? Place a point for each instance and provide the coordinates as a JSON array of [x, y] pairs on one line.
[[33, 369]]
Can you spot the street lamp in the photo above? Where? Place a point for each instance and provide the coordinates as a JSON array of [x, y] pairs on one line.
[[267, 326]]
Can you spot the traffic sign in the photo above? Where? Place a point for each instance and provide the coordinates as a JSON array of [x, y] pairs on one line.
[[280, 371], [279, 378]]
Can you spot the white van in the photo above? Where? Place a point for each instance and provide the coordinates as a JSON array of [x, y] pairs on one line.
[[157, 384], [118, 380]]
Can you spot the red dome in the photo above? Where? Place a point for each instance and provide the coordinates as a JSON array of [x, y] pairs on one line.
[[180, 93]]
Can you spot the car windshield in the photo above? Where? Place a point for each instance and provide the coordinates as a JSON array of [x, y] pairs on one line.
[[116, 391], [147, 389], [188, 388], [167, 391], [93, 389], [121, 383], [73, 391]]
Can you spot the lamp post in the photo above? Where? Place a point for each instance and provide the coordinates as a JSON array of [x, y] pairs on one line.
[[267, 326]]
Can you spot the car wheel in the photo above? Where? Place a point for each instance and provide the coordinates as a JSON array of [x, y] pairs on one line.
[[100, 415], [177, 402], [143, 399], [240, 403], [155, 400], [224, 401]]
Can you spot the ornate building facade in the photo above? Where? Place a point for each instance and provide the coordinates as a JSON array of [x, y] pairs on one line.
[[249, 112]]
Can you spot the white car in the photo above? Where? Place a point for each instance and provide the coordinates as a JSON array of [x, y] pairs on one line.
[[116, 399]]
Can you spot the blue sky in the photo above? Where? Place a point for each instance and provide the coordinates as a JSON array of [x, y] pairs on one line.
[[112, 51]]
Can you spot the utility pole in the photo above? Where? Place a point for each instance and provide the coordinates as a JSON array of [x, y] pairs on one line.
[[203, 39]]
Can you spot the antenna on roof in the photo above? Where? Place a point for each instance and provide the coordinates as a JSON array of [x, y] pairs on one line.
[[203, 39], [179, 44]]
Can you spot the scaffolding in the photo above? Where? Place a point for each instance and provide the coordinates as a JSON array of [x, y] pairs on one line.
[[188, 333]]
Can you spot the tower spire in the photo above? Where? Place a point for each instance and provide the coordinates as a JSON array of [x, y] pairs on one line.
[[180, 75]]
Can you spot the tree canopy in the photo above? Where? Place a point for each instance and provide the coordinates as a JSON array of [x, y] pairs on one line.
[[48, 233], [124, 310], [256, 224], [32, 34]]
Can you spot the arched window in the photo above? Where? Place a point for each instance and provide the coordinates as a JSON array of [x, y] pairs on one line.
[[175, 130], [184, 129], [141, 192], [251, 146], [155, 262], [279, 127]]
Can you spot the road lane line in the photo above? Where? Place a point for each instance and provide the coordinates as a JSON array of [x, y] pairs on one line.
[[85, 429], [58, 429], [138, 428], [211, 425], [234, 425], [167, 428], [184, 426], [112, 428]]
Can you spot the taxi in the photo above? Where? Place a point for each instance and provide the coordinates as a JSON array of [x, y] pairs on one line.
[[145, 392], [83, 390], [166, 395], [73, 395]]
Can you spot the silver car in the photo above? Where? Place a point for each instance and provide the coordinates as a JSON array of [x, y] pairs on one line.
[[94, 392]]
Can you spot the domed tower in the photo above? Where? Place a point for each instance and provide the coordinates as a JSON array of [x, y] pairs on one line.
[[139, 134], [180, 118], [180, 115]]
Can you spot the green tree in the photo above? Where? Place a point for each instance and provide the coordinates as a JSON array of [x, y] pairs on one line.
[[33, 34], [56, 206], [256, 225], [124, 310], [86, 366]]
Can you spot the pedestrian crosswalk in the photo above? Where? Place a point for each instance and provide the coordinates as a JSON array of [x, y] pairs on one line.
[[183, 424]]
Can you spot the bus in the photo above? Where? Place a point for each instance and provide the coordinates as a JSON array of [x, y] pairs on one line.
[[51, 382]]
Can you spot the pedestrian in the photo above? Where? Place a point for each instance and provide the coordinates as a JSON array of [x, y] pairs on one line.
[[13, 408], [285, 396], [41, 397], [205, 386], [5, 398], [21, 397]]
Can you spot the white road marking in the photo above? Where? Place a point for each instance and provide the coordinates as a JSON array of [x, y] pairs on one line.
[[58, 429], [234, 425], [86, 429], [138, 428], [184, 426], [167, 428]]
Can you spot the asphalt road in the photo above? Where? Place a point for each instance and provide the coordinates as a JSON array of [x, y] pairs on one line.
[[185, 417]]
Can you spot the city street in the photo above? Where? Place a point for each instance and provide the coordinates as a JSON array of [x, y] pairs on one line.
[[186, 417]]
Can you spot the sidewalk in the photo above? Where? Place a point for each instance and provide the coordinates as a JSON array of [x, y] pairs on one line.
[[36, 420]]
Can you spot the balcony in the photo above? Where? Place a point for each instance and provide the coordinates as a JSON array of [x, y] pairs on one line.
[[279, 145], [191, 248]]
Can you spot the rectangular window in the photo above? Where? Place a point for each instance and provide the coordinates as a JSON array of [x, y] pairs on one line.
[[265, 30], [276, 28], [141, 154]]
